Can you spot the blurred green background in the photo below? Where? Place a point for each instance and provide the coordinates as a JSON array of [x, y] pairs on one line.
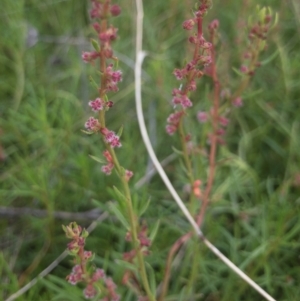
[[44, 91]]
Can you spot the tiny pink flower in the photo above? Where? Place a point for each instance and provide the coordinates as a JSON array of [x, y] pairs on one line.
[[110, 283], [97, 104], [171, 129], [89, 56], [268, 19], [204, 44], [185, 102], [193, 40], [116, 76], [202, 116], [192, 85], [225, 93], [97, 10], [115, 10], [76, 275], [109, 35], [112, 78], [213, 24], [179, 73], [108, 156], [176, 100], [87, 254], [73, 279], [128, 175], [244, 69], [97, 27], [191, 65], [107, 169], [205, 60], [81, 241], [92, 124], [175, 117], [188, 24], [220, 132], [111, 138], [115, 142], [89, 292], [223, 121], [77, 269], [247, 55], [238, 102], [99, 274]]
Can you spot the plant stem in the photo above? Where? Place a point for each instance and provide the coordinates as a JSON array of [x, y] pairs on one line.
[[213, 148]]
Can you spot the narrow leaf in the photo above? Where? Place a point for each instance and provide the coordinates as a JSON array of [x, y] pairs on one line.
[[154, 231], [97, 159], [95, 45], [119, 215]]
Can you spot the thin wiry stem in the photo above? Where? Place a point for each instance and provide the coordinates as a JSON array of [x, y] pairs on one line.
[[140, 55]]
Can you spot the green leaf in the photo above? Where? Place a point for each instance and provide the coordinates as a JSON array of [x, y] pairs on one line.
[[127, 265], [144, 207], [152, 280], [270, 58], [238, 72], [120, 131], [154, 230], [95, 45], [119, 215], [84, 233], [93, 83], [120, 196], [97, 159], [86, 132], [177, 151]]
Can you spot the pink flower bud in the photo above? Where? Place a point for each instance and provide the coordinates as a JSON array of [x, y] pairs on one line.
[[115, 10], [202, 116], [89, 292], [244, 69], [223, 121], [238, 102], [97, 27], [268, 19], [128, 175], [188, 24], [213, 24]]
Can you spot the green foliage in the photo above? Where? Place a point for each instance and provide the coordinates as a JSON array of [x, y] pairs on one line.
[[45, 164]]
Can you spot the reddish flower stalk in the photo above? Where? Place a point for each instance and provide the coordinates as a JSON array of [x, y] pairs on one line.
[[95, 280], [191, 72], [215, 124], [257, 37], [102, 10]]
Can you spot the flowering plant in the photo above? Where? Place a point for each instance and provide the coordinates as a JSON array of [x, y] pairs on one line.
[[203, 63]]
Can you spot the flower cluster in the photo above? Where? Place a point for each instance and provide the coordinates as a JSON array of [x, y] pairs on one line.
[[144, 244], [112, 78], [102, 10], [193, 70], [111, 138], [95, 280], [97, 105], [258, 31], [110, 163], [173, 122]]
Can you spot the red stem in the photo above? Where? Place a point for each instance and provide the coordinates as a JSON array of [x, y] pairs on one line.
[[213, 148]]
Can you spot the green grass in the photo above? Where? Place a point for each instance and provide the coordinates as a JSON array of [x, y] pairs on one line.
[[44, 89]]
